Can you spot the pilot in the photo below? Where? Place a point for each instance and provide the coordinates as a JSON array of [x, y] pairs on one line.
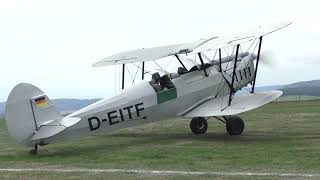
[[165, 82], [155, 82]]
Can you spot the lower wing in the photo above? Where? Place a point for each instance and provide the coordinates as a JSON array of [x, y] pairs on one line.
[[239, 104]]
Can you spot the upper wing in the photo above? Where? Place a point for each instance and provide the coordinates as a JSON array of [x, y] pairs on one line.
[[239, 104], [150, 54], [238, 38]]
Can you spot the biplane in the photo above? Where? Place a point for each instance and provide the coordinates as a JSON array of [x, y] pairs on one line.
[[206, 89]]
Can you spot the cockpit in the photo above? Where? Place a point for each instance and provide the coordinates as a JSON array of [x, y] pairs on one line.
[[162, 83], [164, 87]]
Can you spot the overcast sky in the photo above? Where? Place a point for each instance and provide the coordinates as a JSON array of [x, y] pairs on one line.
[[52, 44]]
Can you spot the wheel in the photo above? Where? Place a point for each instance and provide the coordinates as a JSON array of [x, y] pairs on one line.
[[34, 151], [234, 125], [198, 125]]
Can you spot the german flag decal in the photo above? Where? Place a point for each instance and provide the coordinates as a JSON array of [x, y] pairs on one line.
[[41, 101]]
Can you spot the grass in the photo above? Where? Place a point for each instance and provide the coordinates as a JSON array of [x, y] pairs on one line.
[[278, 137], [298, 98], [127, 176]]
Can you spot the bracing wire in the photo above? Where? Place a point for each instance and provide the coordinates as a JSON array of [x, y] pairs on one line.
[[129, 73], [135, 75], [186, 60], [168, 64], [141, 69], [159, 66], [251, 44]]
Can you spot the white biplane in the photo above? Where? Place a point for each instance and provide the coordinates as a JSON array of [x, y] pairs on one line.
[[205, 90]]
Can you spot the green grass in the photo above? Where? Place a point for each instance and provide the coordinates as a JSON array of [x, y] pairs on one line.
[[298, 98], [126, 176], [279, 137]]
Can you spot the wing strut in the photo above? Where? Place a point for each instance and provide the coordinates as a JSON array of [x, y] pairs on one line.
[[202, 64], [181, 62], [220, 68], [123, 70], [257, 63], [233, 74], [142, 70]]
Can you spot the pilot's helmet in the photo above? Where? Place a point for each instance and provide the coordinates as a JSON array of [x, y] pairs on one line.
[[156, 76]]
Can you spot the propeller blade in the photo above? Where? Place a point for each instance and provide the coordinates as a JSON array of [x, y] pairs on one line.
[[268, 58]]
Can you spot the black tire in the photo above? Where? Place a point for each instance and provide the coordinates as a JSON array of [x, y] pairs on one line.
[[198, 125], [34, 151], [234, 125]]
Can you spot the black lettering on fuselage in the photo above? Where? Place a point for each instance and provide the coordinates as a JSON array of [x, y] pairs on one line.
[[139, 109], [121, 115], [110, 117], [114, 117], [91, 125], [129, 111]]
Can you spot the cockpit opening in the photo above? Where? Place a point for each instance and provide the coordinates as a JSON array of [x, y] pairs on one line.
[[161, 83], [163, 87]]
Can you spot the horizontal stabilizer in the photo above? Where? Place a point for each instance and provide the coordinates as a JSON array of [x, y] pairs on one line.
[[54, 127], [239, 104], [47, 131]]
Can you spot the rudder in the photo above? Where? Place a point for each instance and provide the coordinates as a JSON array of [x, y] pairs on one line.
[[27, 109]]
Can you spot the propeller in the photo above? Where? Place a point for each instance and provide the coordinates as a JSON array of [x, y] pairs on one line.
[[268, 58]]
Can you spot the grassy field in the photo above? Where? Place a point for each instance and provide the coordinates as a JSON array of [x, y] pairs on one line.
[[279, 137], [298, 98]]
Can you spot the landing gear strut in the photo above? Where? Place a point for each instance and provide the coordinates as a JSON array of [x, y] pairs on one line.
[[199, 125], [35, 150], [234, 125]]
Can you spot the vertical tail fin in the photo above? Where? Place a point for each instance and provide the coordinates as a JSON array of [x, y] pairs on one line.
[[27, 109]]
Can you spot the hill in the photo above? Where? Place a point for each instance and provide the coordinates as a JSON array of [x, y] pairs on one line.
[[73, 104], [308, 88], [64, 105], [304, 88]]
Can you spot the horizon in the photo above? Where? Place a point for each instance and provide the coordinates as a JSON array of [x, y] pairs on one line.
[[257, 88], [53, 44]]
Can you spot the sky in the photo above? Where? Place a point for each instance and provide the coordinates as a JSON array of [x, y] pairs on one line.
[[52, 44]]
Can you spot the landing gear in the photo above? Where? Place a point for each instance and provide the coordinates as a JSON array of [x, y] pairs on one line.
[[35, 150], [234, 125], [199, 125]]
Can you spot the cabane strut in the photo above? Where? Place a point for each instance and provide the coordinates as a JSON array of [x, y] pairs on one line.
[[123, 70], [181, 62], [202, 64]]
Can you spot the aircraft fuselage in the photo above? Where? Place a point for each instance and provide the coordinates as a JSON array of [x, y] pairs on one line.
[[141, 104]]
